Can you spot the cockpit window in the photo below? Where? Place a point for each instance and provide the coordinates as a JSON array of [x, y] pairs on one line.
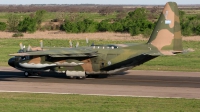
[[105, 46]]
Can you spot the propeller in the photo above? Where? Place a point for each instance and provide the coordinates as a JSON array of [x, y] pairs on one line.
[[21, 46], [41, 44], [29, 48], [24, 48], [70, 43], [87, 41], [77, 44]]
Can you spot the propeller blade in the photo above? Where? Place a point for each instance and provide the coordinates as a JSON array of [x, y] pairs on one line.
[[41, 44], [29, 48], [24, 48], [77, 44], [21, 46], [70, 43], [87, 40]]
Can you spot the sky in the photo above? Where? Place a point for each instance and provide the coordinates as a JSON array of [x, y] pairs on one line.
[[127, 2]]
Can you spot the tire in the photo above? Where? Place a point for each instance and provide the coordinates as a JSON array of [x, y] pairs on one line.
[[26, 74], [70, 77], [82, 77]]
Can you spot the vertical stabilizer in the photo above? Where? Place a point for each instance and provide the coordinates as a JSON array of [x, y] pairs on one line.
[[166, 35]]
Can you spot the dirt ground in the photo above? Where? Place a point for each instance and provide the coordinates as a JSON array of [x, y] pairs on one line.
[[91, 36]]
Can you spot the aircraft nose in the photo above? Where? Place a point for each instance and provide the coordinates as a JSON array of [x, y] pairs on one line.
[[11, 62]]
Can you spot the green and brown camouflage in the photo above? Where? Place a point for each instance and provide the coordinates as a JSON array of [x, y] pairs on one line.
[[106, 59], [167, 33]]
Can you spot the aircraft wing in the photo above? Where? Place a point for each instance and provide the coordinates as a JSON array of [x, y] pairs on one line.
[[61, 52]]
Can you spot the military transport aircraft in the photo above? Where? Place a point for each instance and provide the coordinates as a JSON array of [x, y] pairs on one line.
[[104, 59]]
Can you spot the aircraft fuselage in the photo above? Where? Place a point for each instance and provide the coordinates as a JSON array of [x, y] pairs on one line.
[[108, 58]]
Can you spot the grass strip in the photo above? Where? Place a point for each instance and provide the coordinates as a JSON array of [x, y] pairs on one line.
[[21, 102]]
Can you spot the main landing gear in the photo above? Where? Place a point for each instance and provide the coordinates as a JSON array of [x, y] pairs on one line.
[[75, 77], [27, 74]]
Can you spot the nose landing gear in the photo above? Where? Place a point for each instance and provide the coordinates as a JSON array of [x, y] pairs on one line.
[[26, 74]]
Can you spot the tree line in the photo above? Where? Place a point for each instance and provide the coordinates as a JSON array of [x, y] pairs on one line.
[[135, 22]]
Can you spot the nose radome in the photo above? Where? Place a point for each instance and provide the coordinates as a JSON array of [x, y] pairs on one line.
[[11, 62]]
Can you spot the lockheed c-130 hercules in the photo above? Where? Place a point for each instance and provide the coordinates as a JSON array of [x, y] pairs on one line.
[[104, 59]]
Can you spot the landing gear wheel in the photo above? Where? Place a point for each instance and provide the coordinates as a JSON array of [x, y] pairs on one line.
[[75, 77], [26, 74], [70, 77], [81, 77]]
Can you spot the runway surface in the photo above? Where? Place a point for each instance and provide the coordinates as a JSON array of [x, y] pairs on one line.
[[131, 83]]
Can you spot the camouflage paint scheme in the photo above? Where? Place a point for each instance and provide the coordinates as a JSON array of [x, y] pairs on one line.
[[107, 59]]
